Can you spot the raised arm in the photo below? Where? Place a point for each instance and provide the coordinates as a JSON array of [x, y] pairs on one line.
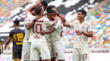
[[33, 5], [88, 34], [63, 20]]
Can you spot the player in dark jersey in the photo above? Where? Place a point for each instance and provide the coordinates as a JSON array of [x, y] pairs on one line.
[[17, 36], [1, 45]]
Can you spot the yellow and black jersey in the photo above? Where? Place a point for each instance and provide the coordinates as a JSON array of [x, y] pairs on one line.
[[17, 36], [1, 43]]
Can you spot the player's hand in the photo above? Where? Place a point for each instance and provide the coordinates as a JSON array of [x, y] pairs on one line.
[[61, 16], [5, 47], [78, 32], [42, 33]]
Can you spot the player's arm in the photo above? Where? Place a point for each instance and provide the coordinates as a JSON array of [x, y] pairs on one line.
[[7, 42], [63, 20], [67, 24], [30, 24], [52, 27], [62, 17], [49, 30], [88, 34], [9, 39], [33, 5]]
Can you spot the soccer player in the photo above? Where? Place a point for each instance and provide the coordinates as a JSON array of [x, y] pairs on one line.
[[39, 47], [17, 36], [83, 30], [1, 44], [30, 15], [54, 37]]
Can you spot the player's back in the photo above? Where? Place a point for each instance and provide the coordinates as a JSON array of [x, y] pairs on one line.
[[17, 36], [39, 26]]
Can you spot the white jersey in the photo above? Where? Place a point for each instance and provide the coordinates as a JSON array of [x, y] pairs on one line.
[[56, 35], [26, 44], [81, 41], [39, 26], [29, 18]]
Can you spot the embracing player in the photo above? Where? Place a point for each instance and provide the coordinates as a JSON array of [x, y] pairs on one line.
[[39, 47], [30, 15], [53, 35]]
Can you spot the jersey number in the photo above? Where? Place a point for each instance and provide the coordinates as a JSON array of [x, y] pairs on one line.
[[38, 28], [18, 37]]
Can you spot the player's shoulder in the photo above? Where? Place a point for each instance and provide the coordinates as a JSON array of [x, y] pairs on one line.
[[13, 30], [44, 19], [22, 30], [75, 22], [87, 22]]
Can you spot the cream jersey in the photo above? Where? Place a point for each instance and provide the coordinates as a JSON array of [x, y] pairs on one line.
[[55, 35], [28, 19], [39, 26], [81, 41]]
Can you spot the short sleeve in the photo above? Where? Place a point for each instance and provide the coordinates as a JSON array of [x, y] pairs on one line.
[[11, 34], [90, 28]]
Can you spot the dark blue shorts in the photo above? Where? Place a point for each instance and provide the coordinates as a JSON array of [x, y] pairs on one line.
[[17, 52]]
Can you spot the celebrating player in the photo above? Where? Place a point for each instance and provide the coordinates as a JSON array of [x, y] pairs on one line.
[[83, 30], [30, 15]]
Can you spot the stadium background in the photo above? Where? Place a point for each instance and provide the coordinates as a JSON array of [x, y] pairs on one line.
[[98, 15]]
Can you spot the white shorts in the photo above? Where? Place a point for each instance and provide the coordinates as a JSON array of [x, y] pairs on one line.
[[39, 49], [26, 50], [80, 55], [57, 48]]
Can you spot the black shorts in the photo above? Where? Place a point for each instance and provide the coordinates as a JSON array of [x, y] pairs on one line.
[[17, 52], [0, 51]]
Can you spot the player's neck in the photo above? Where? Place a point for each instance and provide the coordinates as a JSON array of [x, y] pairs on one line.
[[16, 27], [81, 20], [38, 17]]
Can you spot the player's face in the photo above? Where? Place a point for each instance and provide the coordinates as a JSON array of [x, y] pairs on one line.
[[53, 15], [80, 15]]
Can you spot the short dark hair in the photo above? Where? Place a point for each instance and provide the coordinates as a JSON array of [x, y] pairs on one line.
[[32, 9], [49, 9], [16, 22], [44, 3], [38, 10], [82, 11]]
